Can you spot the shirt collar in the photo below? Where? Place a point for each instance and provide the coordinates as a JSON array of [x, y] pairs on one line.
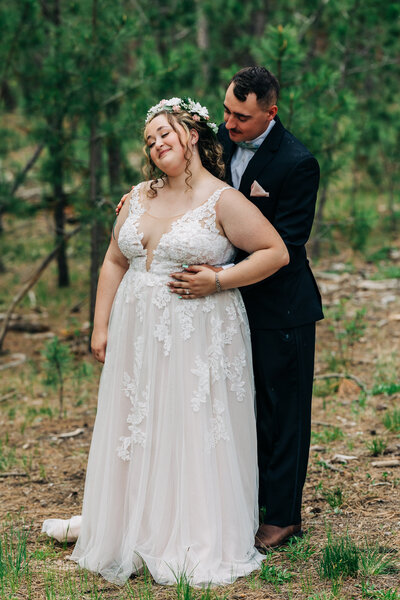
[[259, 140]]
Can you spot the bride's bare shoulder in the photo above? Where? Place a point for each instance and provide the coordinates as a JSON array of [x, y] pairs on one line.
[[230, 194]]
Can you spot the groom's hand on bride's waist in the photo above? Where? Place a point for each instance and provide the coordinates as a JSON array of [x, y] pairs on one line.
[[195, 281]]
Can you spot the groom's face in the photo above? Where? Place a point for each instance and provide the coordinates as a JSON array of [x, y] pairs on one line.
[[246, 120]]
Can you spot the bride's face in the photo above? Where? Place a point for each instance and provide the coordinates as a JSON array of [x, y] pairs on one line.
[[166, 149]]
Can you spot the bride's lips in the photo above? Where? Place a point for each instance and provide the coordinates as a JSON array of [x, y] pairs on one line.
[[163, 152]]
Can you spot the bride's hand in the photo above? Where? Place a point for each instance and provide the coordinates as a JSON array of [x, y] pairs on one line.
[[99, 344], [195, 282]]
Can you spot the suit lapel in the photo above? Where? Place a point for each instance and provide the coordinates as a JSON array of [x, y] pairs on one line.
[[229, 149], [262, 157]]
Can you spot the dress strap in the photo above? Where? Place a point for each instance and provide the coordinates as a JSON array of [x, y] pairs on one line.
[[135, 207], [213, 199]]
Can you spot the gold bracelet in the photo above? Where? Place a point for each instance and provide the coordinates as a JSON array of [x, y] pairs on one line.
[[217, 283]]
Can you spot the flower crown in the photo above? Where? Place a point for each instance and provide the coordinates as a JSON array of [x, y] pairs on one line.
[[176, 105]]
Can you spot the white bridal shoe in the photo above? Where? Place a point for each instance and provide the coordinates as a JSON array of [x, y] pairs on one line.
[[63, 530]]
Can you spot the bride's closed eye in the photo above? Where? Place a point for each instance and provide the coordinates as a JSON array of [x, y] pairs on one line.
[[163, 135]]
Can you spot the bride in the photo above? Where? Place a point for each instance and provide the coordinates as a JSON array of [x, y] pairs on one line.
[[172, 473]]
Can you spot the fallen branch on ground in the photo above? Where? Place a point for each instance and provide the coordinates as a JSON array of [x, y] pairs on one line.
[[7, 396], [31, 282], [360, 384], [16, 359]]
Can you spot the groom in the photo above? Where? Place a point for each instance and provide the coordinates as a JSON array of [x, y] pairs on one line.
[[280, 176]]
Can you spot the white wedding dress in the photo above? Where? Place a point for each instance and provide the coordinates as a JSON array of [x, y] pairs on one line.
[[172, 473]]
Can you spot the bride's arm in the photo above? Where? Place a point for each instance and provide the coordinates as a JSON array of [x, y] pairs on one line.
[[112, 271], [246, 227]]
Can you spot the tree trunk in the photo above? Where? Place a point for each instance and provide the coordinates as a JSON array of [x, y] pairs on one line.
[[319, 223], [55, 124], [59, 219], [202, 41], [96, 229], [95, 185], [2, 265], [57, 174], [114, 157]]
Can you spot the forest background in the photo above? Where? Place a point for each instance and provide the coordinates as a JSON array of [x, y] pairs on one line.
[[76, 81]]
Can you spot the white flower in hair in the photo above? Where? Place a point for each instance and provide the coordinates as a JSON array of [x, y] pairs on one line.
[[176, 105]]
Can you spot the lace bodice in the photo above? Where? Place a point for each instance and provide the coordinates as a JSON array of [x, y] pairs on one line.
[[191, 239]]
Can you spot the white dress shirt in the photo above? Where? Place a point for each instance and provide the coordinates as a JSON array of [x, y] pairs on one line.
[[242, 157]]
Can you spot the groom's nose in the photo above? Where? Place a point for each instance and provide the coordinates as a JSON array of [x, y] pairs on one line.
[[230, 123]]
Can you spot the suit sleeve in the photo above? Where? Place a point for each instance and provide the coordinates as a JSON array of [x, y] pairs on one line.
[[296, 205]]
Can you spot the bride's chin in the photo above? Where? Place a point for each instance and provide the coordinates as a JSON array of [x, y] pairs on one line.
[[172, 170]]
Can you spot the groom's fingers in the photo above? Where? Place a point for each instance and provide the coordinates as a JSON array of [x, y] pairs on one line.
[[187, 277]]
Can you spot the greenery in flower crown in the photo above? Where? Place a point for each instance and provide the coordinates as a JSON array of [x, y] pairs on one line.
[[176, 105]]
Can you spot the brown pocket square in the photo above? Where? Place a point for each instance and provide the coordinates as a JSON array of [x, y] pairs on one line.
[[257, 190]]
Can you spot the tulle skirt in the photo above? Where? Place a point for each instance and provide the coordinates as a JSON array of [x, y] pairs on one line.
[[172, 474]]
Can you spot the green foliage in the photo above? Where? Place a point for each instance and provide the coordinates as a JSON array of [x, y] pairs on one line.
[[374, 561], [376, 446], [71, 68], [391, 420], [339, 558], [327, 435], [371, 592], [14, 560], [347, 329], [7, 457], [56, 365], [388, 388], [299, 549], [334, 497], [274, 574], [141, 591], [360, 225], [387, 271]]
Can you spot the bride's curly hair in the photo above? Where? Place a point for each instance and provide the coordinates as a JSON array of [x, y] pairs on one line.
[[210, 150]]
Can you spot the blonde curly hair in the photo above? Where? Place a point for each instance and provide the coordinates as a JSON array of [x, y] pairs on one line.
[[210, 150]]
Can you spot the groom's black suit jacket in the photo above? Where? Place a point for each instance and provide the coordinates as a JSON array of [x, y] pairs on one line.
[[290, 174]]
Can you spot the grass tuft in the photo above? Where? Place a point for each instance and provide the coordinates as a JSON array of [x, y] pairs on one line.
[[14, 561], [334, 497], [391, 420], [376, 446], [372, 593], [387, 388], [274, 574], [340, 558], [374, 561], [299, 549]]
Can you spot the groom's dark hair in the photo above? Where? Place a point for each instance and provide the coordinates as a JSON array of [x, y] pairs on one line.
[[259, 81]]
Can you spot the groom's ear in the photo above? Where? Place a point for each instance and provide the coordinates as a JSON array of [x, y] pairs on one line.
[[272, 111]]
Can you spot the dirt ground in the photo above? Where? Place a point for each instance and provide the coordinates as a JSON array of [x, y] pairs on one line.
[[42, 472]]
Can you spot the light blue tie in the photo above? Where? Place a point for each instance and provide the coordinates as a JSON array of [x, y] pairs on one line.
[[248, 146]]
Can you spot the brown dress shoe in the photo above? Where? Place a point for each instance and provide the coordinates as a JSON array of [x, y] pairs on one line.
[[272, 536]]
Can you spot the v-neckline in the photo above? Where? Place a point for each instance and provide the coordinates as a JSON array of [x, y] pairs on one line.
[[169, 230]]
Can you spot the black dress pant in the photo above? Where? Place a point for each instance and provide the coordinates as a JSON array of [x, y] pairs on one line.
[[283, 363]]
